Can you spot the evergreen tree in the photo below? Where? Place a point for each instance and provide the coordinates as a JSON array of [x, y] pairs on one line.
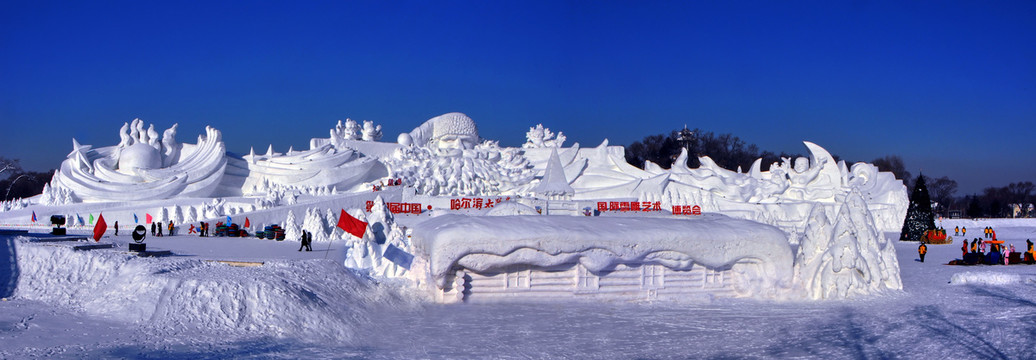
[[919, 216]]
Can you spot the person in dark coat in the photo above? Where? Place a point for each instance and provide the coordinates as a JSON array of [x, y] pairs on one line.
[[116, 228], [159, 232], [152, 229], [921, 250], [302, 240]]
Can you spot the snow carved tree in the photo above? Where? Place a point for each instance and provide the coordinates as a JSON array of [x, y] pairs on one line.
[[292, 231]]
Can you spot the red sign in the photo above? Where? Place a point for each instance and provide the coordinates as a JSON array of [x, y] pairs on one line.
[[686, 210], [475, 203], [399, 208], [625, 206]]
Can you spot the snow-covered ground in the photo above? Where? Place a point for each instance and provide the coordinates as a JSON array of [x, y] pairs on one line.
[[105, 303]]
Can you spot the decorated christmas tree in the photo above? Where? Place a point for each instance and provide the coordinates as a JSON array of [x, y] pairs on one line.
[[919, 216]]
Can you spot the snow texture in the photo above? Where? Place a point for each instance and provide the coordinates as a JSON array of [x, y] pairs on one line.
[[600, 243]]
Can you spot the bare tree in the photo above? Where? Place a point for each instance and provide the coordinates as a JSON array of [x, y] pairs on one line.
[[942, 190], [9, 167]]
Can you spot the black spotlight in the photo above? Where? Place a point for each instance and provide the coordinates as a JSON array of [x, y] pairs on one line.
[[139, 233], [58, 221]]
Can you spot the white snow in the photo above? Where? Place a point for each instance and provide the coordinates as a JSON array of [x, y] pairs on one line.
[[991, 278], [931, 318]]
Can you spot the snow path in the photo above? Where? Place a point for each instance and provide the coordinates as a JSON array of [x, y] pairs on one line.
[[931, 318]]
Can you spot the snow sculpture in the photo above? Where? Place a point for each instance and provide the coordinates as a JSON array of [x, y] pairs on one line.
[[142, 168], [329, 164], [846, 257], [370, 132], [541, 137], [448, 134], [445, 160], [292, 231], [368, 254], [315, 224], [473, 257], [554, 184]]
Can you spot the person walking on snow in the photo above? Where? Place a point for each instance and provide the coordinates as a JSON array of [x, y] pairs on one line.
[[171, 228], [116, 228], [159, 232], [964, 249], [964, 231], [152, 229], [307, 239], [956, 230], [921, 250]]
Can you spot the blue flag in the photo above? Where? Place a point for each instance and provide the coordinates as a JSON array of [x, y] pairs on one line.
[[228, 220], [33, 216], [134, 218]]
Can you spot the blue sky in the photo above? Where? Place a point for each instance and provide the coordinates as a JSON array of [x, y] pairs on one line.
[[947, 85]]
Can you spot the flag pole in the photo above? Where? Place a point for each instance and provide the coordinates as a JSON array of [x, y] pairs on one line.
[[329, 244]]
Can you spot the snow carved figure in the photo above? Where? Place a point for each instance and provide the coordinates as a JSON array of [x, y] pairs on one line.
[[541, 137], [371, 132], [351, 130], [801, 175], [445, 160]]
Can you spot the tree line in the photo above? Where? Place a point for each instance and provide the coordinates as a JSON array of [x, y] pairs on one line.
[[731, 152]]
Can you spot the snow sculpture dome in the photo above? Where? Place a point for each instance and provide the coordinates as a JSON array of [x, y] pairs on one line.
[[405, 139], [139, 156]]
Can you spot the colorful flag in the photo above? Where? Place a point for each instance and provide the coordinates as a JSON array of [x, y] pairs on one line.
[[351, 225], [99, 228], [147, 218], [33, 216], [247, 224], [91, 219], [228, 220], [134, 218]]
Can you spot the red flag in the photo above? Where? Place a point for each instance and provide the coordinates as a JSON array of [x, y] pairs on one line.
[[351, 225], [100, 228], [247, 224], [147, 219], [34, 216]]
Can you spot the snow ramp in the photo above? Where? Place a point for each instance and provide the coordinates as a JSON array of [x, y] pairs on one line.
[[315, 300]]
